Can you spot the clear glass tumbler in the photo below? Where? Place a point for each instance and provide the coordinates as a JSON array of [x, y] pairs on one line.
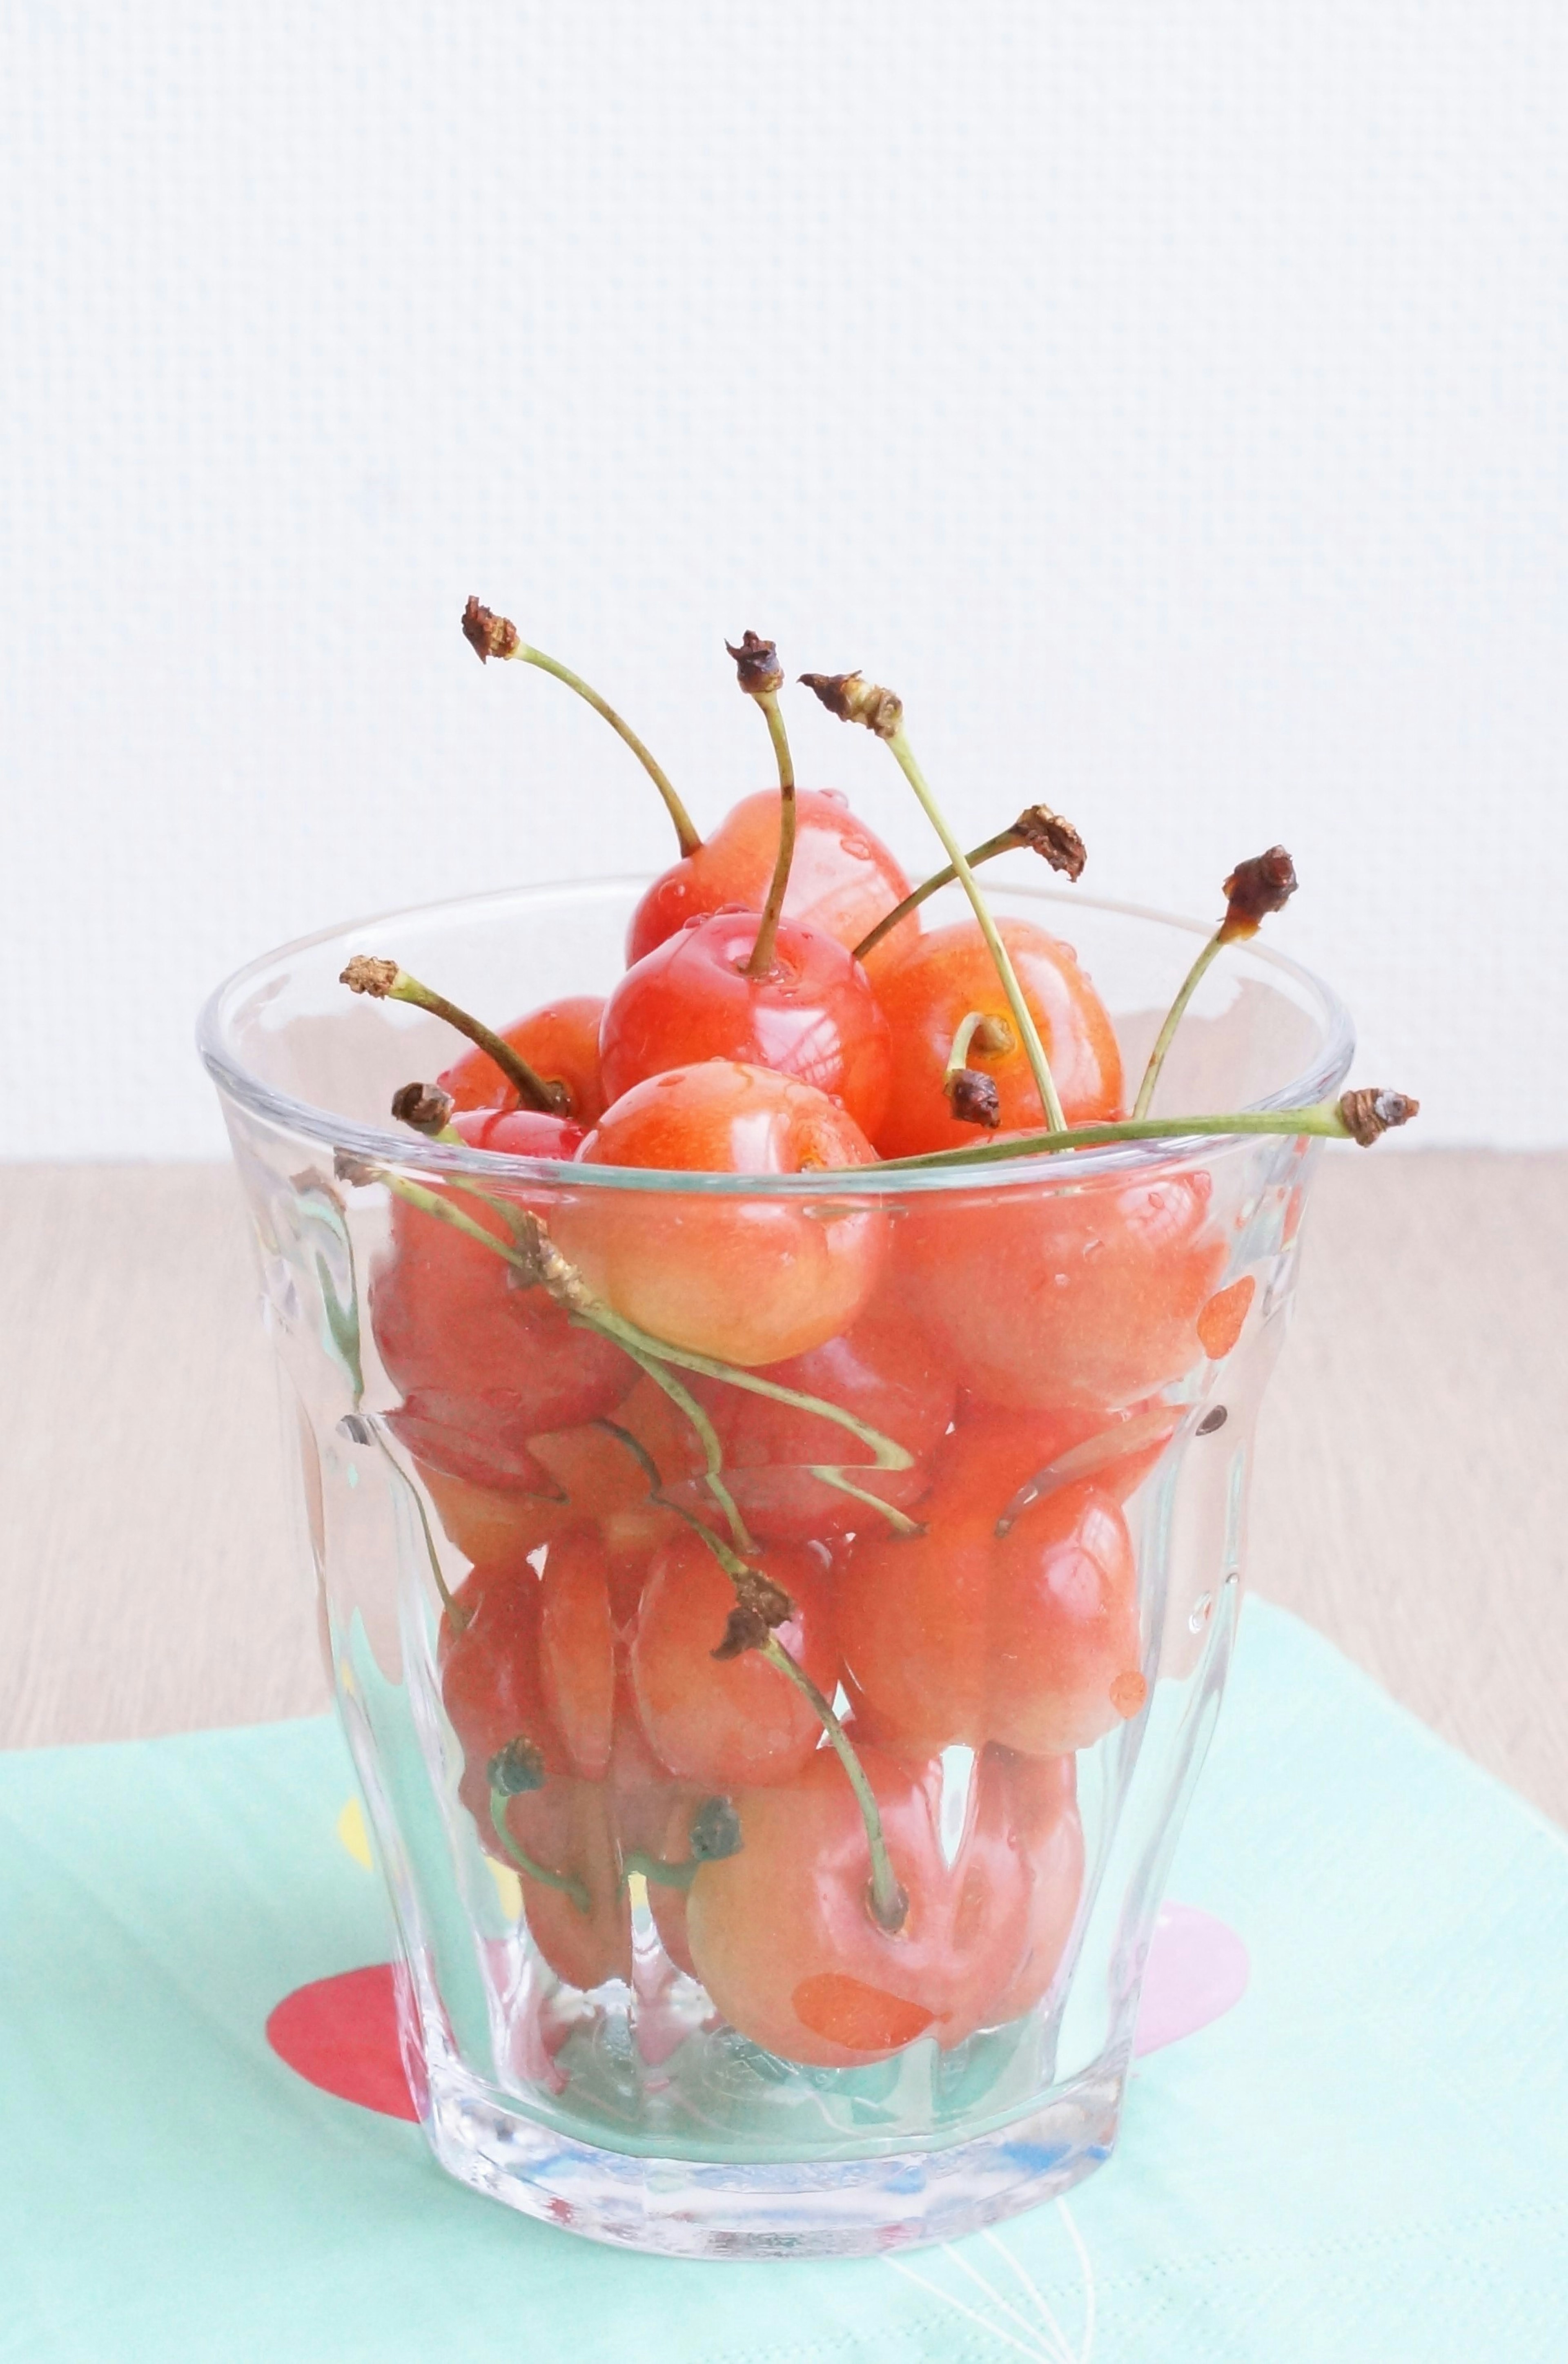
[[834, 1943]]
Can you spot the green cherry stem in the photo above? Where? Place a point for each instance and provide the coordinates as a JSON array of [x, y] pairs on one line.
[[490, 635], [832, 1473], [1023, 1018], [1323, 1117], [980, 1030], [761, 958], [384, 981], [1173, 1017], [1262, 884], [889, 1904], [526, 1864], [761, 676], [1003, 842]]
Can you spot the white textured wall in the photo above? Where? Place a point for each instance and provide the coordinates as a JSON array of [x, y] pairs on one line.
[[1168, 399]]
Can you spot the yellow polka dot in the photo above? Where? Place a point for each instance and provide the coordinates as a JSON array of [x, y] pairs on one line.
[[351, 1831]]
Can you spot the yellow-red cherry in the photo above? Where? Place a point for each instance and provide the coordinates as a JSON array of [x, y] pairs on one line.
[[811, 1013], [842, 878], [747, 1281], [937, 982]]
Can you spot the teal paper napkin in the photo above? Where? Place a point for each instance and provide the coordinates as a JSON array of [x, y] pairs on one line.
[[1366, 2159]]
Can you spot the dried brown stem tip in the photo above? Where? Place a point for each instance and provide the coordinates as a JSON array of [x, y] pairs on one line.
[[424, 1106], [854, 699], [1047, 835], [975, 1098], [358, 1171], [488, 634], [1369, 1113], [366, 973], [760, 1605], [757, 666], [1253, 889]]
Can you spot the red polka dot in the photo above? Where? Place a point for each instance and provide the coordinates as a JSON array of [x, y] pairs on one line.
[[342, 2034]]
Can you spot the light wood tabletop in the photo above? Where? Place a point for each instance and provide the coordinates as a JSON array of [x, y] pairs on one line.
[[1412, 1497]]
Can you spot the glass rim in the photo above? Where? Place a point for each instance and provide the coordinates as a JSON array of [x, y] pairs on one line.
[[381, 1147]]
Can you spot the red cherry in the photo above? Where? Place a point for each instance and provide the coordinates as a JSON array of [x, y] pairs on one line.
[[729, 1723], [813, 1015], [782, 1937], [959, 1635], [559, 1043], [744, 1279], [1045, 1297], [932, 988], [491, 1677], [577, 1648], [842, 879], [483, 1366]]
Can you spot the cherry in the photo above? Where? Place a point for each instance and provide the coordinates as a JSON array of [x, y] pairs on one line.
[[942, 977], [727, 1723], [781, 1936], [560, 1041], [1045, 1297], [745, 1280], [959, 1635], [842, 879], [482, 1365], [812, 1013], [491, 1677], [577, 1647]]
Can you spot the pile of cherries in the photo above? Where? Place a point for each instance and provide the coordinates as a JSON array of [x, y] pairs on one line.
[[770, 1501]]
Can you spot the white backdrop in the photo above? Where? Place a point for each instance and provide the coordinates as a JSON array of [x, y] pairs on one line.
[[1167, 398]]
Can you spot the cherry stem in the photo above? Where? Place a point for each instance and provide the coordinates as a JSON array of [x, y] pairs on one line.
[[662, 1872], [367, 975], [457, 1616], [761, 958], [889, 1904], [1003, 842], [832, 1473], [1322, 1117], [526, 1864], [1173, 1017], [708, 1436], [1039, 1066], [983, 1031], [685, 828]]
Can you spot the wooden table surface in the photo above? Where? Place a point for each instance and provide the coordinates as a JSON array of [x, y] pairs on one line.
[[1412, 1497]]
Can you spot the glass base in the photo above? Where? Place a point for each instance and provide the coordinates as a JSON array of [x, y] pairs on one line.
[[849, 2208]]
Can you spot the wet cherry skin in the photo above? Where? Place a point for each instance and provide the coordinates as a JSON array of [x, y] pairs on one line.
[[812, 1014], [745, 1280], [1043, 1297], [934, 985], [842, 879]]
